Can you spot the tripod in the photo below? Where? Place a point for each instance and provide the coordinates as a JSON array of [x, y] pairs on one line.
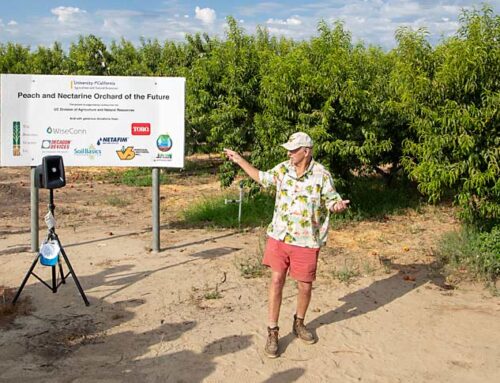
[[55, 284]]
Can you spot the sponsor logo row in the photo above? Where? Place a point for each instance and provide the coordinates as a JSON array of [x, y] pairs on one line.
[[126, 153]]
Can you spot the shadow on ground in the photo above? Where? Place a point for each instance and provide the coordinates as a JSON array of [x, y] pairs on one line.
[[48, 343], [374, 296]]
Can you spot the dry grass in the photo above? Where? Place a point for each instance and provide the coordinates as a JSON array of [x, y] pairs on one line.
[[8, 311]]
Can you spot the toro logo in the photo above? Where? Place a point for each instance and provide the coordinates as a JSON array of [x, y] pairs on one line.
[[141, 128]]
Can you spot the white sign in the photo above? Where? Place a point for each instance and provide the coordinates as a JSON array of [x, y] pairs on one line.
[[92, 120]]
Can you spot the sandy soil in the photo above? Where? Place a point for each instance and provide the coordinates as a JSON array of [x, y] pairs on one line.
[[381, 310]]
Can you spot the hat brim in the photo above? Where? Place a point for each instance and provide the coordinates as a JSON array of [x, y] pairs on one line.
[[291, 146]]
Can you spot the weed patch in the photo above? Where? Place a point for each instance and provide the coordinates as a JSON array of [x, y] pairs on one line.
[[478, 253], [346, 274], [117, 201], [9, 312]]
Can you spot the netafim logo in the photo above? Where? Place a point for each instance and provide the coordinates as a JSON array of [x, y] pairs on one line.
[[112, 140], [141, 128], [67, 131], [16, 138]]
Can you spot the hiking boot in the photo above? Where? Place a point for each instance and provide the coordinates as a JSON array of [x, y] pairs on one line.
[[301, 332], [271, 348]]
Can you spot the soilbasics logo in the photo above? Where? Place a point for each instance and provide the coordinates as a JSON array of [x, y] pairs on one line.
[[90, 152]]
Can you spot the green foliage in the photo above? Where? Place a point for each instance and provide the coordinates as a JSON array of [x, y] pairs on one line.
[[223, 86], [89, 56], [373, 198], [14, 58], [452, 97], [479, 252], [48, 60], [126, 60]]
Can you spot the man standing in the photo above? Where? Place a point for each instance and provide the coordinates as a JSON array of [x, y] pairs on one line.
[[305, 195]]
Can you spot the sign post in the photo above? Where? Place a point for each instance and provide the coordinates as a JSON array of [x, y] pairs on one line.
[[34, 211]]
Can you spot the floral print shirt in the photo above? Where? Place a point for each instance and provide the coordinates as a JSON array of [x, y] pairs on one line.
[[302, 207]]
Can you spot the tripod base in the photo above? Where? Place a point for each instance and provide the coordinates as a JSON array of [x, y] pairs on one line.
[[55, 284]]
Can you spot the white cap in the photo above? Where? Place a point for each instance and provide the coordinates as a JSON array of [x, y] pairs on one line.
[[298, 140]]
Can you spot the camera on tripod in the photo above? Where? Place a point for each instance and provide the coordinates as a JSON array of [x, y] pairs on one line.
[[50, 174]]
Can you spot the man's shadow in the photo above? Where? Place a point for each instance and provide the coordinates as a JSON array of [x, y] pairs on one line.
[[178, 366], [89, 335], [374, 296]]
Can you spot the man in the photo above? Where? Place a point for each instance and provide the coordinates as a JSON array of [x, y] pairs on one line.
[[305, 195]]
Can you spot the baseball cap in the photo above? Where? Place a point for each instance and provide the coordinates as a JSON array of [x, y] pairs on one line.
[[298, 140]]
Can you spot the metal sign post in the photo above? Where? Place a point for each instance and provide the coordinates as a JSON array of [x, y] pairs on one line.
[[155, 197], [34, 212]]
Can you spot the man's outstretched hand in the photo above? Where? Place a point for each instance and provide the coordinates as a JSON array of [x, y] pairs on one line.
[[340, 206], [244, 164], [232, 155]]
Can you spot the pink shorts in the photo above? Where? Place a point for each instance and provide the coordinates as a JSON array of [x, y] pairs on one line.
[[299, 261]]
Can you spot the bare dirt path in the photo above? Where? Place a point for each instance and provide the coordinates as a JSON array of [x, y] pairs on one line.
[[381, 310]]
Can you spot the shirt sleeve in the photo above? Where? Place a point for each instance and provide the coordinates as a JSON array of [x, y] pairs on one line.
[[272, 177], [329, 193]]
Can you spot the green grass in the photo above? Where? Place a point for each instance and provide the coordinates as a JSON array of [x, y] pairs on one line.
[[140, 177], [477, 252], [252, 268], [117, 201], [213, 294], [346, 274], [256, 211], [250, 265]]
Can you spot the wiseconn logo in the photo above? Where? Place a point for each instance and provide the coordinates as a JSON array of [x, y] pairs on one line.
[[126, 154], [141, 128], [68, 131]]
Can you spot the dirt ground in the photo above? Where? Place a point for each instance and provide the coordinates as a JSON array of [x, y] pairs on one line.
[[381, 310]]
